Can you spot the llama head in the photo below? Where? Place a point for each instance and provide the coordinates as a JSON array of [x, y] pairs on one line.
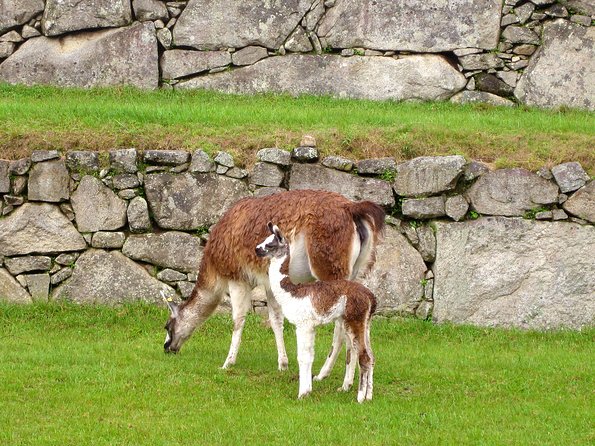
[[275, 245], [177, 329]]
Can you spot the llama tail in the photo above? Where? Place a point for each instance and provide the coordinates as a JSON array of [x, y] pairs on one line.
[[369, 223]]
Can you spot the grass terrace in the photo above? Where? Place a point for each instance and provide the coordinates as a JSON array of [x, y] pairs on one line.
[[82, 375], [102, 119]]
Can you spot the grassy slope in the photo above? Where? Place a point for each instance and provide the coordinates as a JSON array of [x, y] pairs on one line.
[[43, 117], [92, 375]]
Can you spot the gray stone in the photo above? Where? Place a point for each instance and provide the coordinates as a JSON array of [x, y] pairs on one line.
[[48, 181], [585, 7], [424, 208], [427, 243], [428, 175], [298, 42], [224, 159], [513, 272], [221, 170], [570, 176], [483, 61], [424, 310], [559, 214], [314, 15], [309, 176], [185, 289], [166, 157], [96, 207], [556, 10], [62, 16], [138, 215], [524, 12], [38, 228], [67, 259], [149, 10], [61, 275], [338, 163], [19, 167], [4, 177], [39, 286], [511, 192], [79, 161], [456, 207], [265, 191], [510, 77], [123, 56], [180, 63], [520, 34], [404, 26], [123, 160], [18, 185], [19, 265], [305, 154], [582, 203], [29, 31], [165, 38], [466, 51], [519, 65], [473, 97], [11, 36], [421, 77], [396, 278], [189, 201], [172, 249], [67, 210], [376, 166], [249, 55], [6, 49], [275, 156], [524, 49], [11, 200], [17, 12], [308, 141], [209, 25], [583, 20], [237, 173], [201, 162], [108, 240], [509, 19], [544, 215], [125, 181], [265, 174], [170, 275], [491, 84], [38, 156], [108, 277]]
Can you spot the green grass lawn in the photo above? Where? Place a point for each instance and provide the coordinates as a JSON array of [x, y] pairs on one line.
[[102, 119], [74, 375]]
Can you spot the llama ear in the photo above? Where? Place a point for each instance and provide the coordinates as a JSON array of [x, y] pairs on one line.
[[277, 233], [271, 227], [173, 307]]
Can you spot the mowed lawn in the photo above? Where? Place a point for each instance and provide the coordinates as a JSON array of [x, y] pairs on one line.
[[73, 375], [102, 119]]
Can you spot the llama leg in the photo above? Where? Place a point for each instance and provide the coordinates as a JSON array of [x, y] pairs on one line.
[[239, 293], [365, 361], [371, 371], [276, 319], [305, 348], [350, 361], [338, 338]]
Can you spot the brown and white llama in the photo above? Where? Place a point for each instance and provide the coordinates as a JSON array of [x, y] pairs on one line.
[[349, 304], [330, 237]]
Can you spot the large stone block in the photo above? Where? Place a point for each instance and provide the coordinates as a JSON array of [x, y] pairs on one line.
[[175, 250], [97, 207], [181, 63], [62, 16], [422, 77], [189, 201], [16, 12], [511, 192], [307, 176], [582, 203], [213, 24], [38, 228], [512, 272], [562, 71], [428, 175], [396, 278], [48, 181], [415, 25], [123, 56], [11, 291], [110, 278]]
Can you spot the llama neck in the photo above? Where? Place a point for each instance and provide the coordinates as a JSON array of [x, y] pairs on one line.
[[275, 279]]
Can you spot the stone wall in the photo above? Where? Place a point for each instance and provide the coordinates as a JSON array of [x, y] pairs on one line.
[[537, 52], [463, 243]]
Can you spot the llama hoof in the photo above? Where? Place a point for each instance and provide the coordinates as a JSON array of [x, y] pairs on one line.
[[318, 378], [301, 396], [344, 388], [283, 366], [360, 397], [226, 365]]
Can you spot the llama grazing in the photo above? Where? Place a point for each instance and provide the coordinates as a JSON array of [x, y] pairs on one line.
[[331, 237], [349, 304]]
